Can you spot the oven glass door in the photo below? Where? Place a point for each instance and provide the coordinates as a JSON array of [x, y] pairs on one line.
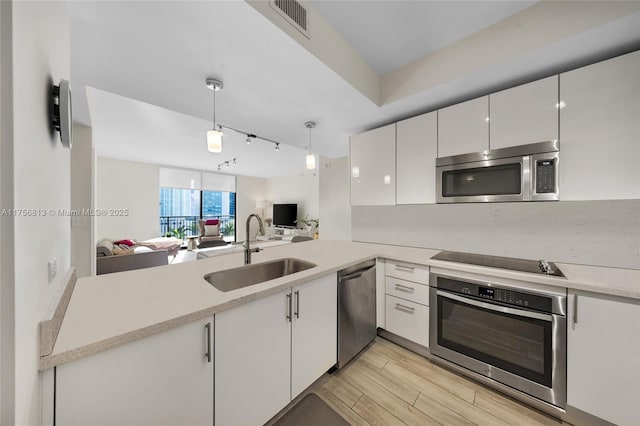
[[498, 336]]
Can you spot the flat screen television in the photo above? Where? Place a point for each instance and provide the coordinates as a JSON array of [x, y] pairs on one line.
[[285, 215]]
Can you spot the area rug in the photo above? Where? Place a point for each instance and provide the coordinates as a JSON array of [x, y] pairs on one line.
[[311, 411]]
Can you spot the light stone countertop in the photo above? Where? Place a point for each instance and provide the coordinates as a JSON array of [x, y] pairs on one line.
[[108, 310]]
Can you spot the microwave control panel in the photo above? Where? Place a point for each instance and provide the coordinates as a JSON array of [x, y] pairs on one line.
[[545, 176]]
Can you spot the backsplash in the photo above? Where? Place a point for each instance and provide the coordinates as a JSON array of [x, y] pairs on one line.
[[601, 233]]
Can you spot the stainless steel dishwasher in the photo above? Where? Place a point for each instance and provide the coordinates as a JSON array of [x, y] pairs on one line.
[[356, 309]]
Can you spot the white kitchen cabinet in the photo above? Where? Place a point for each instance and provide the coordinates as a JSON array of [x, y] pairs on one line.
[[314, 338], [408, 319], [253, 361], [416, 152], [163, 379], [373, 167], [464, 128], [380, 292], [407, 271], [603, 366], [269, 350], [599, 130], [524, 114], [406, 301], [418, 293]]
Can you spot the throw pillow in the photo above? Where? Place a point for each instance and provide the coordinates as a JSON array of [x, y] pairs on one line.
[[212, 222], [211, 230], [120, 249], [125, 242], [104, 248]]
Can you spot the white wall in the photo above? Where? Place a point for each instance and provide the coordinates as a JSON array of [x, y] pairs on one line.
[[335, 208], [248, 191], [82, 251], [128, 185], [7, 344], [601, 233], [301, 189], [41, 181]]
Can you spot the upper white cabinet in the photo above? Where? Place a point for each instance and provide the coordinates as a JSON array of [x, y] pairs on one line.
[[464, 128], [269, 350], [416, 150], [600, 130], [603, 366], [163, 379], [373, 167], [524, 114]]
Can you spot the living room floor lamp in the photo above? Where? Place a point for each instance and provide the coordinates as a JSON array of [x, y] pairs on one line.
[[262, 204]]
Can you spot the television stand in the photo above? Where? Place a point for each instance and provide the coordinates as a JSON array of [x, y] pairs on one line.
[[278, 231]]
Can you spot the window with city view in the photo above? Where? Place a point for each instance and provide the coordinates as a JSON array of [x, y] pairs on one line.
[[180, 210]]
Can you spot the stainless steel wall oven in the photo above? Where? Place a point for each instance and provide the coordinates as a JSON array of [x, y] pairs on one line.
[[512, 336]]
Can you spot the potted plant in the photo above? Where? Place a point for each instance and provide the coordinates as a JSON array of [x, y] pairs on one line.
[[309, 223]]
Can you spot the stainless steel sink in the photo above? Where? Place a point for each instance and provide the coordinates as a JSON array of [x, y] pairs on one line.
[[233, 279]]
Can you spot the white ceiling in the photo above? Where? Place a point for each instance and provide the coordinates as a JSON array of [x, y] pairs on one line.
[[158, 54], [137, 131], [389, 34]]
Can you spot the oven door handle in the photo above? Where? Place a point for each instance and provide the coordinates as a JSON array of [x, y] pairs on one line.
[[496, 308]]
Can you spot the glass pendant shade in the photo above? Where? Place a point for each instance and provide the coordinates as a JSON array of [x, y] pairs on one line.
[[311, 161], [214, 141]]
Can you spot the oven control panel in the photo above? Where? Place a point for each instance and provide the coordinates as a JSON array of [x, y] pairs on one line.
[[506, 296], [510, 297]]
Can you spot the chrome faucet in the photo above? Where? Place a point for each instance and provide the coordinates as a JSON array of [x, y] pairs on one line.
[[247, 249]]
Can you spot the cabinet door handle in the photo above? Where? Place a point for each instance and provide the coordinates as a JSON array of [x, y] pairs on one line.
[[408, 308], [297, 304], [207, 328], [406, 268], [575, 309], [404, 287], [289, 307]]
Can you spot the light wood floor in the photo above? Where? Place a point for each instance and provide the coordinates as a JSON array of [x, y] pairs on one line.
[[388, 385]]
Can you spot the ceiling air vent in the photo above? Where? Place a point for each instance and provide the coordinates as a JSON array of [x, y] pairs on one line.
[[294, 12]]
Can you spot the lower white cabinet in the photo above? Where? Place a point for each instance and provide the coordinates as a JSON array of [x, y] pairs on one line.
[[408, 319], [269, 350], [314, 335], [163, 379], [406, 299], [603, 362]]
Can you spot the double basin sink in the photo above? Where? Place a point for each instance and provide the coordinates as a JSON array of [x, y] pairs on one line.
[[244, 276]]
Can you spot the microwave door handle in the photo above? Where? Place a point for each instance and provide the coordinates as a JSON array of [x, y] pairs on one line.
[[527, 178], [496, 308]]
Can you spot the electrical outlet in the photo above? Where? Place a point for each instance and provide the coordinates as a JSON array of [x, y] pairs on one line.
[[53, 269]]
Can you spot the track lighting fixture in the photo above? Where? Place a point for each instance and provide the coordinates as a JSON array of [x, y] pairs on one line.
[[228, 163]]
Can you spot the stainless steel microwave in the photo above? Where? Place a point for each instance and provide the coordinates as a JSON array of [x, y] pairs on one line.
[[520, 173]]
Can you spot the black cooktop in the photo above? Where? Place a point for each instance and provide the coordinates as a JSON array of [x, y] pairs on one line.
[[524, 265]]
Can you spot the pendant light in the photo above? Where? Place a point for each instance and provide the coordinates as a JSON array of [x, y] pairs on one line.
[[311, 159], [214, 136]]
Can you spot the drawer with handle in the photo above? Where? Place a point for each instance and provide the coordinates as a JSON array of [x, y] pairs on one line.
[[407, 319], [407, 271], [408, 290]]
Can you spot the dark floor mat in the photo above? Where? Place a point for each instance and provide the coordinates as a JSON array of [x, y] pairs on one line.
[[311, 411]]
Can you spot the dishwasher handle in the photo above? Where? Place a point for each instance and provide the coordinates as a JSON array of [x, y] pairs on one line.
[[355, 274]]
